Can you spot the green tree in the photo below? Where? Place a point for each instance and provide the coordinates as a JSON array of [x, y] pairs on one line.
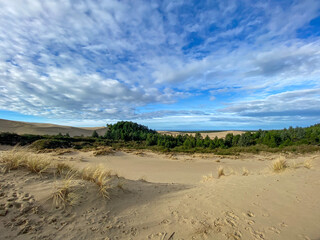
[[228, 140], [95, 134]]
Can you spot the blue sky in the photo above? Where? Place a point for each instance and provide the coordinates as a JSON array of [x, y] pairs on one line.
[[179, 65]]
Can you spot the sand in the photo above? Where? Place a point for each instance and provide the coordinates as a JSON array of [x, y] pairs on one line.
[[49, 129], [211, 135], [164, 194]]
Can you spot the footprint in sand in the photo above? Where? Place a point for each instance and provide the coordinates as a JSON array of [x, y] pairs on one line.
[[256, 234], [283, 224], [230, 222], [274, 229], [165, 221], [235, 235], [249, 214], [250, 222], [259, 235], [232, 215], [304, 237]]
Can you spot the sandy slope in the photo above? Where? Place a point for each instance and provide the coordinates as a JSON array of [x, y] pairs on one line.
[[262, 205], [43, 128], [212, 135]]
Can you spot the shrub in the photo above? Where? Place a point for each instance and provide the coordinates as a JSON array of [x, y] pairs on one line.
[[50, 144]]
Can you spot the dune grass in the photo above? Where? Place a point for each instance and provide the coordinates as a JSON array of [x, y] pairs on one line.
[[100, 176], [37, 163], [62, 168], [12, 159], [207, 178], [20, 157], [279, 165], [245, 172], [103, 151], [221, 172], [307, 163], [64, 195]]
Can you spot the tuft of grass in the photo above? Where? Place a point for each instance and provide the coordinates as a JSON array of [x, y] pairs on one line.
[[307, 163], [62, 168], [245, 172], [207, 178], [87, 174], [100, 176], [19, 157], [102, 183], [64, 195], [279, 164], [220, 172], [103, 151], [13, 159], [37, 163]]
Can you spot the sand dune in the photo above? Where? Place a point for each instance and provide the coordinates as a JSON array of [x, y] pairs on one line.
[[167, 195], [44, 128], [212, 135]]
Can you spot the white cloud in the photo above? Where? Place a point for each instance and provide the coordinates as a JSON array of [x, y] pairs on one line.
[[303, 103]]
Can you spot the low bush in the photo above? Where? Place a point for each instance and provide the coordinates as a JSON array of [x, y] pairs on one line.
[[50, 144]]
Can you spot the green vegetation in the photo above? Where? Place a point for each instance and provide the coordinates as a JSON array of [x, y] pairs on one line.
[[95, 134], [128, 131], [132, 135]]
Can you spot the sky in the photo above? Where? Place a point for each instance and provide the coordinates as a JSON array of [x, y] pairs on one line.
[[170, 65]]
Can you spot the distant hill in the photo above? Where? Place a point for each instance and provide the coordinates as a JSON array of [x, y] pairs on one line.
[[211, 134], [45, 128]]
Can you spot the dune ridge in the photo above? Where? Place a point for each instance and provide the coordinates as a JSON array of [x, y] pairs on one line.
[[47, 129]]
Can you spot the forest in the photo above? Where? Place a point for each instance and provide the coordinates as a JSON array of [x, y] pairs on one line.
[[133, 135]]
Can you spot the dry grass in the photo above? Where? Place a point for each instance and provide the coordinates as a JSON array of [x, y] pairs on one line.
[[64, 195], [37, 163], [102, 182], [307, 163], [100, 176], [87, 174], [245, 172], [13, 159], [207, 178], [62, 168], [103, 151], [279, 164], [220, 172], [20, 157]]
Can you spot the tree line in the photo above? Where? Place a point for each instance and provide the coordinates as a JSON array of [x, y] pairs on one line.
[[133, 135], [129, 131]]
